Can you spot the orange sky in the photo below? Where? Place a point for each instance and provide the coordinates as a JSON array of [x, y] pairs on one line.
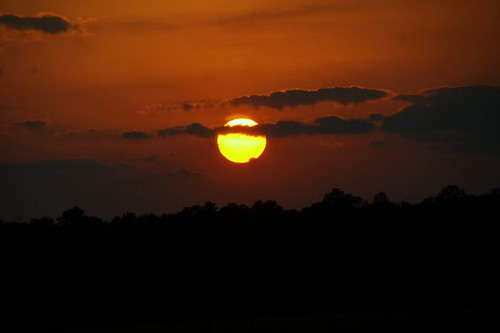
[[153, 65]]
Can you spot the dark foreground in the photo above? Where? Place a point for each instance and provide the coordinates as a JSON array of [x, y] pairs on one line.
[[442, 320], [340, 264]]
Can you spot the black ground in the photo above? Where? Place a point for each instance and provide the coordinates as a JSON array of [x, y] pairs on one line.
[[341, 263]]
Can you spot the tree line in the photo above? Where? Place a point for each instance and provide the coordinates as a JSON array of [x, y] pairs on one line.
[[342, 254]]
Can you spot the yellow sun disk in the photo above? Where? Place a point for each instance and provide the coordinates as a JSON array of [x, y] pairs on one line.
[[241, 148]]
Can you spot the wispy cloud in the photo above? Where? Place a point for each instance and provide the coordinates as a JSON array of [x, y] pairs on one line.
[[286, 12], [289, 12], [160, 108], [32, 124], [183, 173]]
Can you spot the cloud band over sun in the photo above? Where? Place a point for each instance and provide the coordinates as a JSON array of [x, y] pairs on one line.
[[292, 98], [459, 119], [321, 126], [48, 23]]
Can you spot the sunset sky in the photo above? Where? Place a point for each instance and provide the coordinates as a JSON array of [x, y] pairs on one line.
[[113, 106]]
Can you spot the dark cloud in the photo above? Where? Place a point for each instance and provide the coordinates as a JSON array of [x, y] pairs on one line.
[[31, 124], [321, 126], [464, 118], [90, 133], [415, 99], [325, 125], [286, 128], [195, 129], [293, 98], [51, 166], [336, 125], [376, 117], [45, 22], [135, 135], [184, 173], [377, 144]]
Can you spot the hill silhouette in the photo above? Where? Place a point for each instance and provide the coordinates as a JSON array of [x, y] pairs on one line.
[[437, 261]]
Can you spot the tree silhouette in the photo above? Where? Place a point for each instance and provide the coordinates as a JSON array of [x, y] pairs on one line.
[[340, 254], [451, 193], [72, 216], [127, 219], [337, 199], [43, 222], [381, 198]]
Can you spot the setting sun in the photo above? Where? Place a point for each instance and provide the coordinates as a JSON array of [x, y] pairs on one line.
[[241, 147]]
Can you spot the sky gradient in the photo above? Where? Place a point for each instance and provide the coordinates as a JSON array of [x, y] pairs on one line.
[[116, 108]]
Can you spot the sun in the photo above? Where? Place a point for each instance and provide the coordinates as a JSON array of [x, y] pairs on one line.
[[241, 147]]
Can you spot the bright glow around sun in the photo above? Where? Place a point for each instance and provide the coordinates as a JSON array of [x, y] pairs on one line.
[[241, 147]]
